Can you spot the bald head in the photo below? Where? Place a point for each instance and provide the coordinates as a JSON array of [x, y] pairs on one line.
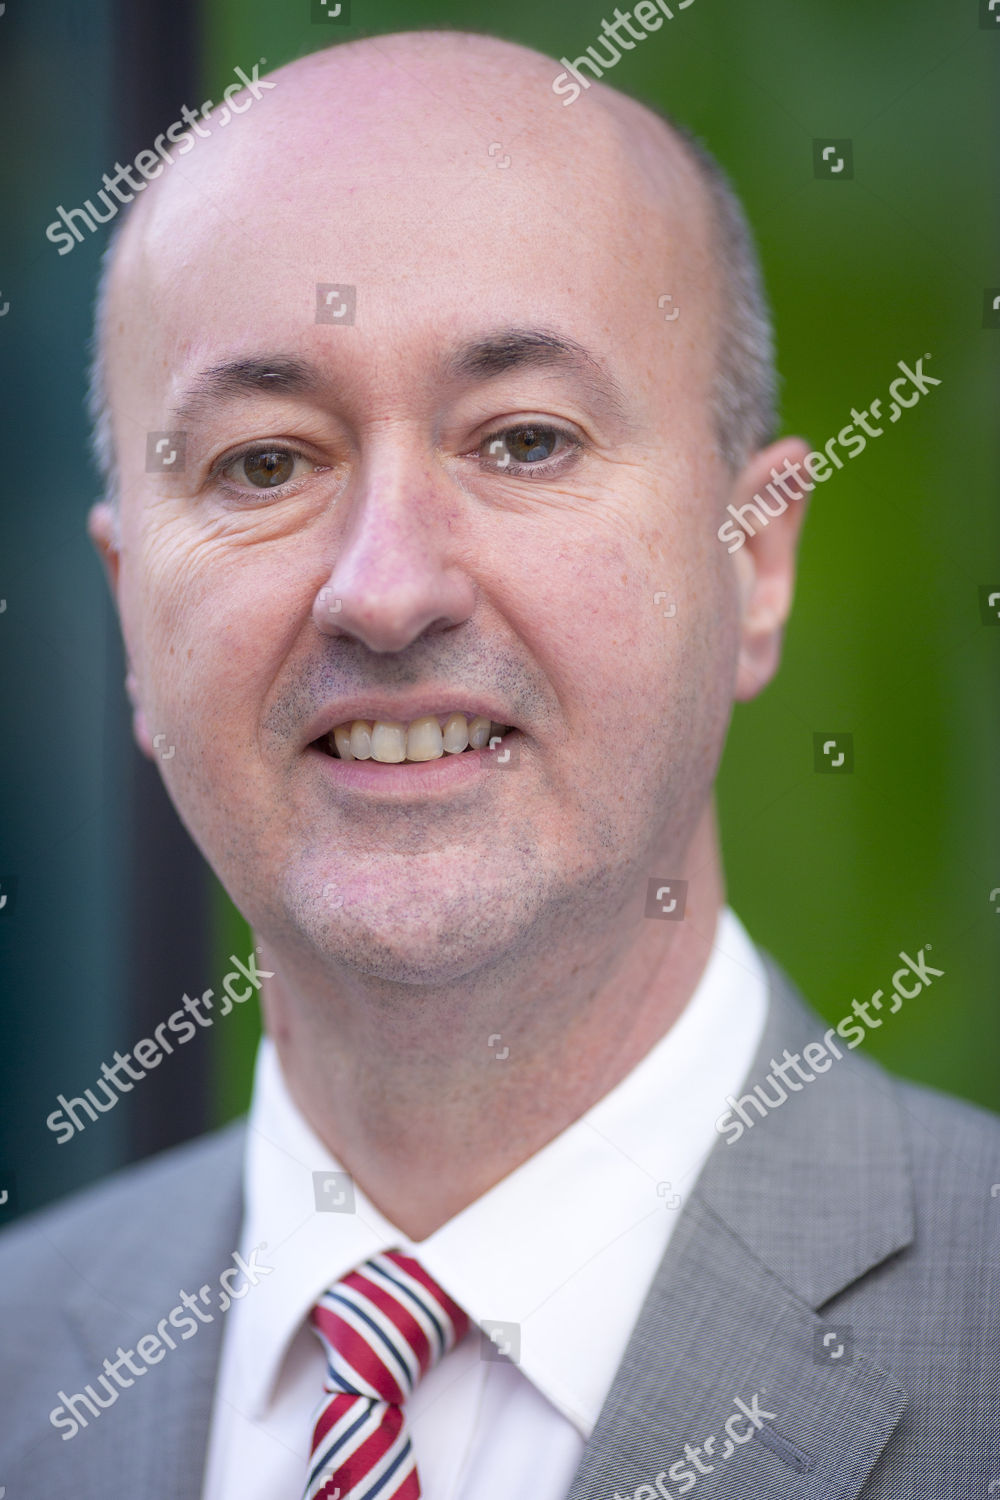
[[415, 126]]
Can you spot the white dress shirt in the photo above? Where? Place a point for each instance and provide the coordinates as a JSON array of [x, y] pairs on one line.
[[564, 1248]]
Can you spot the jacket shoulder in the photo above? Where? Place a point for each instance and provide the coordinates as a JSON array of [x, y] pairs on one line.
[[954, 1149], [146, 1203]]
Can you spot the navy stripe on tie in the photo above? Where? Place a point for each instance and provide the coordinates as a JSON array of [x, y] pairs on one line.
[[404, 1454], [424, 1306], [324, 1463], [384, 1338]]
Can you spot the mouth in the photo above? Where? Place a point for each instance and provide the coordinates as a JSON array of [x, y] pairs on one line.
[[395, 742]]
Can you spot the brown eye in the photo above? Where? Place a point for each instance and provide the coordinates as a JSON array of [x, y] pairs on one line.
[[528, 446], [267, 468], [531, 444]]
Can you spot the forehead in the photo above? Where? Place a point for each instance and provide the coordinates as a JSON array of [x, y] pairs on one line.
[[446, 203]]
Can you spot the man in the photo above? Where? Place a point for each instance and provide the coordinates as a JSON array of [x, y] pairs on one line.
[[435, 611]]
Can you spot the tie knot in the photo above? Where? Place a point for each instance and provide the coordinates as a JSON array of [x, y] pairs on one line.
[[383, 1326]]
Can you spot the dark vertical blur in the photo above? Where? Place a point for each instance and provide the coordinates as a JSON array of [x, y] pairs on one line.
[[102, 895], [155, 70]]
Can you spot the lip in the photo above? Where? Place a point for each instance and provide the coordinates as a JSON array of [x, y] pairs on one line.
[[404, 710], [406, 781]]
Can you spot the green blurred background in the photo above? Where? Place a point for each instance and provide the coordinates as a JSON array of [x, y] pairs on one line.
[[833, 874]]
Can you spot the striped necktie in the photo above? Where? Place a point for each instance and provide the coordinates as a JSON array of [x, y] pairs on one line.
[[381, 1327]]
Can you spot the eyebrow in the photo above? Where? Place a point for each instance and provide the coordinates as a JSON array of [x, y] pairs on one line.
[[537, 348], [481, 359], [274, 375]]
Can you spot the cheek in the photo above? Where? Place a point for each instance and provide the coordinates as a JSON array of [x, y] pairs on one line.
[[211, 631], [651, 647], [609, 647], [576, 593]]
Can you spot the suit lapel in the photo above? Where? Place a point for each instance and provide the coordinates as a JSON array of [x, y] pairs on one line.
[[806, 1201]]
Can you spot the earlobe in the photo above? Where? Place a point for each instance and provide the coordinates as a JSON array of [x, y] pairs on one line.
[[140, 731], [769, 498], [102, 528], [140, 728]]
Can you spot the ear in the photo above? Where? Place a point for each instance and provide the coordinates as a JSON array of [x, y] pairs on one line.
[[770, 518], [102, 528]]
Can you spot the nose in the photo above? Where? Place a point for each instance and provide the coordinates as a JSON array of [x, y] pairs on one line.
[[398, 573]]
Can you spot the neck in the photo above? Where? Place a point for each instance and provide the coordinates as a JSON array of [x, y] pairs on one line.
[[429, 1097]]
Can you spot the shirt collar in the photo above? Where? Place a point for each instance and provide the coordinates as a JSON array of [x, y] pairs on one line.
[[563, 1248]]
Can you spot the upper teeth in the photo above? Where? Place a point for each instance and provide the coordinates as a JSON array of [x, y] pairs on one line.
[[426, 738]]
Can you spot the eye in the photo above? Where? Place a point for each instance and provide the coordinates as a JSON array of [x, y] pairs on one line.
[[265, 468], [529, 446]]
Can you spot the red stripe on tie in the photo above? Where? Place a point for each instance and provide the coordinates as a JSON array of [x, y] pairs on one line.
[[401, 1318], [364, 1459], [359, 1354], [330, 1491], [409, 1489], [459, 1318], [331, 1415]]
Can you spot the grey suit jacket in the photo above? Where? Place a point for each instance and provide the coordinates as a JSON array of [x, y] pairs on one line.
[[836, 1270]]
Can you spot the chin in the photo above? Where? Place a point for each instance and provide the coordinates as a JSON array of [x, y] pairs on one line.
[[429, 937], [432, 959]]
